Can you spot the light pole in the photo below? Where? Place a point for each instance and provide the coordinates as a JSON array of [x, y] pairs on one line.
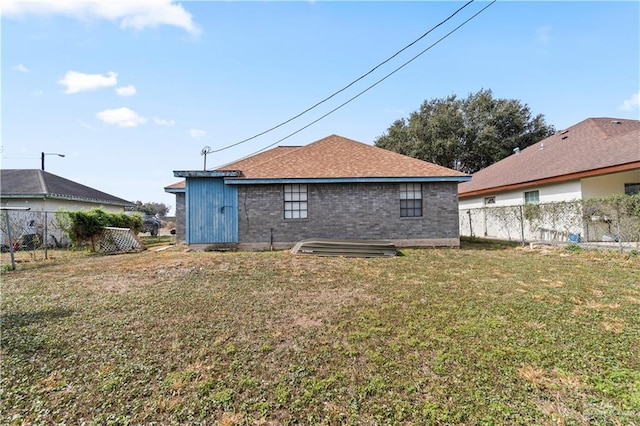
[[48, 153]]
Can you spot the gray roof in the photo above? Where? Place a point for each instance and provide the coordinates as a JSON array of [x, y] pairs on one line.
[[34, 183]]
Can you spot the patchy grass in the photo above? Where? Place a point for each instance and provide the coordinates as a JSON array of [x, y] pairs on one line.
[[500, 336], [157, 241]]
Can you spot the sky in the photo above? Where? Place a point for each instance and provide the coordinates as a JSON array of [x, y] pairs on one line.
[[132, 90]]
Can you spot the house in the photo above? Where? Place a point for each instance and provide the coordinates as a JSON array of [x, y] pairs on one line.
[[42, 194], [332, 188], [595, 158], [45, 192]]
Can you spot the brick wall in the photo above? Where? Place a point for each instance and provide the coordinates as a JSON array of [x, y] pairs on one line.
[[181, 235], [349, 211]]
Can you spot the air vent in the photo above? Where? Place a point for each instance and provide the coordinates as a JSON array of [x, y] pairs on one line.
[[616, 121]]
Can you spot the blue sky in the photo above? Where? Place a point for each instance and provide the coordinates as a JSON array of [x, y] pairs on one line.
[[132, 90]]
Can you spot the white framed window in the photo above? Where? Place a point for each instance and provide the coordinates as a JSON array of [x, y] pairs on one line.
[[410, 199], [295, 201], [532, 197]]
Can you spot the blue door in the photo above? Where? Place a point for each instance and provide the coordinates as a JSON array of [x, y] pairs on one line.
[[211, 211]]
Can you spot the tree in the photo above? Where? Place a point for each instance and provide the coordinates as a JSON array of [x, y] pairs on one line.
[[466, 134], [152, 208]]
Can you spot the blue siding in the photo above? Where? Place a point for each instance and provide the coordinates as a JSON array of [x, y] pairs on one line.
[[211, 211]]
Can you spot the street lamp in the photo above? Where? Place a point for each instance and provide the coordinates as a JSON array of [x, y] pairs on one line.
[[48, 153]]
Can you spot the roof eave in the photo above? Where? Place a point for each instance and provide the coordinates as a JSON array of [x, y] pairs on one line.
[[69, 198], [554, 179], [396, 179], [175, 190], [205, 173]]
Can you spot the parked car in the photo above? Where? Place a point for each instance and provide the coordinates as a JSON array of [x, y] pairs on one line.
[[151, 224]]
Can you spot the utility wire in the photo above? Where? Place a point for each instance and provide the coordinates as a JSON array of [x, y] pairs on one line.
[[348, 85], [376, 83]]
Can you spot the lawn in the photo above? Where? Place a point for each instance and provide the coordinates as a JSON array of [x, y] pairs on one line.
[[477, 336]]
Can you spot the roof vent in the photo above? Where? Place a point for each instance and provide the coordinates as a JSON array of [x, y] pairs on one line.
[[616, 121], [516, 150], [541, 145], [564, 131], [564, 137]]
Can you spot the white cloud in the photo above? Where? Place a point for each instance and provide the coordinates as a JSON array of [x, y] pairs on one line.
[[80, 82], [197, 133], [21, 68], [121, 117], [162, 122], [632, 103], [137, 14], [126, 90]]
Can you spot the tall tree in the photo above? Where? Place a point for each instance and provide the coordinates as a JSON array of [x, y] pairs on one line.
[[152, 208], [466, 134]]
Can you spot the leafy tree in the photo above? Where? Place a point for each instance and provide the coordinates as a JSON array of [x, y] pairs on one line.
[[152, 208], [465, 134]]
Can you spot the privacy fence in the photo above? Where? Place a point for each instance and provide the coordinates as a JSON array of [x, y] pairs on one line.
[[610, 220]]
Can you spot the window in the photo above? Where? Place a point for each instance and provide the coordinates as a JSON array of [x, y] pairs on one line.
[[410, 199], [531, 197], [295, 201], [631, 188]]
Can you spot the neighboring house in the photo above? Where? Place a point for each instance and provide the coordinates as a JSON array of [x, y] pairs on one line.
[[331, 188], [45, 192], [595, 158]]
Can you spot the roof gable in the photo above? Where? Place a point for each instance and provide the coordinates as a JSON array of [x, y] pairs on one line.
[[591, 145], [338, 157], [27, 183]]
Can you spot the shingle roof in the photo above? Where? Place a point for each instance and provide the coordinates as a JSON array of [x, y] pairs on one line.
[[331, 157], [338, 157], [592, 147], [28, 183]]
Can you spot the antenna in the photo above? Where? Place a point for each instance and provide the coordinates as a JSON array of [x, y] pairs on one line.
[[204, 151]]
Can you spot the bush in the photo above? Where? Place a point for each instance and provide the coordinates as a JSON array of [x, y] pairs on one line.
[[87, 225]]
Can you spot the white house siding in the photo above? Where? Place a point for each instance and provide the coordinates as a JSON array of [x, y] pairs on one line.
[[505, 223], [604, 186]]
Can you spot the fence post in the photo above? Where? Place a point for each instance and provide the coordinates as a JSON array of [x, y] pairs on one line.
[[45, 236], [521, 224], [13, 259]]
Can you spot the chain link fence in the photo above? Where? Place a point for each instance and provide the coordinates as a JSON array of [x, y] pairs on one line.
[[601, 222], [33, 232]]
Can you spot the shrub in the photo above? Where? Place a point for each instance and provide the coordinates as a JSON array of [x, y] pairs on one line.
[[87, 225]]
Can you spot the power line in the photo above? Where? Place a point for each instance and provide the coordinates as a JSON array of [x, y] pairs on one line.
[[348, 85], [376, 83]]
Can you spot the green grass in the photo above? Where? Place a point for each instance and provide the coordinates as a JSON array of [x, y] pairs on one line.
[[472, 336], [157, 241]]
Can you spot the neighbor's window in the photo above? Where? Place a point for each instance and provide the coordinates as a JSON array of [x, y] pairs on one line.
[[295, 201], [631, 188], [531, 197], [410, 199]]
